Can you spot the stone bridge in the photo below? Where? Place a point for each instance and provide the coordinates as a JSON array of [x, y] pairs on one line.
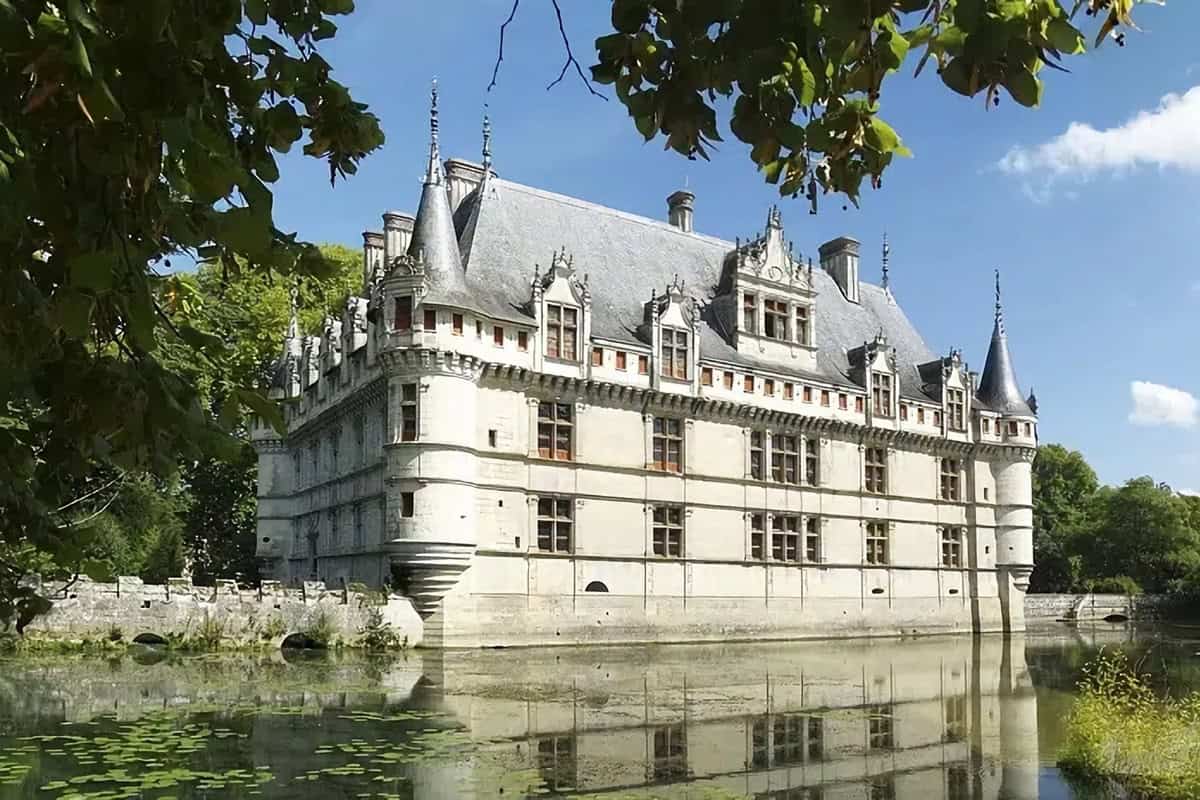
[[179, 610], [1042, 608]]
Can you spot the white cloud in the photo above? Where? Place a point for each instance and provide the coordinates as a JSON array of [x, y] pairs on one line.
[[1155, 404], [1165, 137], [1189, 492]]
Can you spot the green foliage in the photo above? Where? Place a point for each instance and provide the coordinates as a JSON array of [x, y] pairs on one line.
[[1121, 731], [1063, 485], [806, 78], [378, 635], [320, 630], [129, 133]]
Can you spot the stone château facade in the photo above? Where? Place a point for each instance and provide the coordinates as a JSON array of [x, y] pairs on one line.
[[546, 421]]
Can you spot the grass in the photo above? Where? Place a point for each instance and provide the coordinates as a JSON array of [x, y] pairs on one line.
[[1122, 732]]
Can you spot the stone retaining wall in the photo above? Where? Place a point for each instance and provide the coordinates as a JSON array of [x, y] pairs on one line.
[[1041, 608], [178, 609]]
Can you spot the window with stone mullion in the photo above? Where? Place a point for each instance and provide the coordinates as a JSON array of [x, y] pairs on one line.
[[757, 537], [950, 479], [785, 538], [812, 461], [668, 531], [803, 332], [956, 408], [785, 459], [756, 455], [877, 543], [554, 524], [668, 444], [952, 545], [674, 354], [561, 331], [775, 319], [881, 394], [875, 478], [555, 430]]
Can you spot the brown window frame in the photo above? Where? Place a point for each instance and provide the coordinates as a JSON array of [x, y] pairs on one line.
[[667, 441], [667, 531], [881, 394], [789, 391], [674, 350], [951, 479], [875, 470], [785, 459], [775, 319], [410, 412], [748, 384], [843, 401], [456, 324], [622, 360], [920, 416], [556, 425], [727, 380], [706, 376], [403, 319], [903, 413], [956, 409], [858, 404], [429, 319], [806, 394], [523, 340], [498, 335], [561, 326], [768, 387], [643, 365], [825, 398], [877, 544], [597, 356], [555, 525]]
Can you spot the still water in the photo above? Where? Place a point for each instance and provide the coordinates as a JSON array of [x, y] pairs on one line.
[[929, 719]]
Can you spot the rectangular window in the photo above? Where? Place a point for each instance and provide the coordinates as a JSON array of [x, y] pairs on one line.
[[456, 324], [787, 737], [788, 391], [668, 444], [668, 531], [956, 721], [706, 376], [812, 540], [876, 470], [478, 329], [727, 380], [757, 536], [670, 753], [768, 387], [877, 543], [1028, 430], [554, 524], [430, 323], [812, 461], [937, 418], [522, 341], [903, 412], [952, 546], [956, 407], [920, 416], [621, 356], [785, 459], [498, 336], [785, 537], [408, 412], [958, 783], [750, 314], [843, 402], [674, 354], [748, 384], [950, 479], [403, 320], [775, 319], [756, 455], [802, 328], [557, 763], [987, 425], [881, 728], [597, 356], [824, 399], [1012, 429], [561, 330], [858, 404], [807, 394], [407, 504], [881, 395], [555, 430], [643, 365]]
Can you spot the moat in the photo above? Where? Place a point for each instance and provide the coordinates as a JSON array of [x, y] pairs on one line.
[[951, 718]]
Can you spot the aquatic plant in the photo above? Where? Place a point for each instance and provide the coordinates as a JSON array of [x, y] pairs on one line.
[[1121, 731], [377, 634]]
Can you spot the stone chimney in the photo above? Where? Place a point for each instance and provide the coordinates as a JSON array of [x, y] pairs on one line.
[[397, 233], [372, 256], [679, 210], [461, 177], [839, 257]]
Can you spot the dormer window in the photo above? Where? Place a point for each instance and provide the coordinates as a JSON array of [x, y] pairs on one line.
[[956, 407], [562, 325], [674, 354], [881, 394], [750, 313], [775, 319], [803, 332]]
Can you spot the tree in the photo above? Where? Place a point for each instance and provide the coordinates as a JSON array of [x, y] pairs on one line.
[[1063, 487], [807, 77], [130, 132]]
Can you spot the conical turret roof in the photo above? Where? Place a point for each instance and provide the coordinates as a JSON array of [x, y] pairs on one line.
[[434, 237], [998, 387]]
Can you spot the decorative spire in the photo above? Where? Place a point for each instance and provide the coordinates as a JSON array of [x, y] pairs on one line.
[[999, 307], [434, 176], [887, 252], [998, 386], [487, 145]]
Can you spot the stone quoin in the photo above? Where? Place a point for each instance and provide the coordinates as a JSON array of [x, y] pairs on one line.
[[549, 422]]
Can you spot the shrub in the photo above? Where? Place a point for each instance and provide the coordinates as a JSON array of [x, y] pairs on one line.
[[320, 631], [1119, 584], [1119, 730], [377, 634]]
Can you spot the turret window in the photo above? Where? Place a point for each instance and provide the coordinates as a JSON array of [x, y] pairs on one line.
[[555, 430], [785, 459], [952, 546], [881, 394], [956, 407], [750, 313], [404, 317], [668, 444], [876, 470], [877, 543], [674, 354], [561, 331], [456, 325], [430, 321], [554, 524], [950, 479], [775, 319], [408, 412], [668, 531]]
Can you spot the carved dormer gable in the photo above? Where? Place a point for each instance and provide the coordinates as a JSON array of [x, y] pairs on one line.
[[766, 299], [671, 326], [331, 344], [310, 361], [354, 324], [948, 371], [396, 291], [873, 366], [561, 302]]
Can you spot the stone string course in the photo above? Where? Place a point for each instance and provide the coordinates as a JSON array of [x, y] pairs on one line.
[[268, 614]]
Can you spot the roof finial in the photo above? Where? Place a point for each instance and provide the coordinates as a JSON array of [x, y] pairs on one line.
[[434, 175], [999, 308], [887, 252], [487, 143]]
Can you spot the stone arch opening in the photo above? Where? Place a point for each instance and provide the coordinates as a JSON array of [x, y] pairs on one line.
[[596, 586], [149, 639], [1116, 618], [301, 641]]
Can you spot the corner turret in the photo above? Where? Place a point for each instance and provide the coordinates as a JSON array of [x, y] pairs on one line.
[[434, 240]]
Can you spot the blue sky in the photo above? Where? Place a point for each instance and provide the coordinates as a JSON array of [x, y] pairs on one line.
[[1094, 231]]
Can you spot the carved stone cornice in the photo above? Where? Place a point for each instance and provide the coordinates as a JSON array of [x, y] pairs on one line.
[[402, 361], [371, 394]]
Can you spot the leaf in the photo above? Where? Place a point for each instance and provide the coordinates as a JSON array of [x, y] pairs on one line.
[[246, 232], [1064, 37], [267, 409], [957, 76], [882, 137], [804, 83], [80, 53], [202, 340], [73, 313], [1024, 87], [256, 11], [92, 270]]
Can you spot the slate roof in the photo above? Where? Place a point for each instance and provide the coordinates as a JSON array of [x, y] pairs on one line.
[[998, 386], [507, 228]]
